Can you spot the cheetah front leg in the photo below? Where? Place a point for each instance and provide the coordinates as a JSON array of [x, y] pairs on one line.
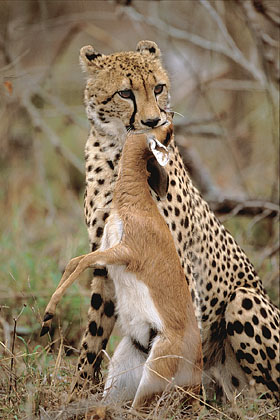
[[101, 321]]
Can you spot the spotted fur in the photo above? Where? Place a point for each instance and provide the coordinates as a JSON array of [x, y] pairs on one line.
[[239, 324]]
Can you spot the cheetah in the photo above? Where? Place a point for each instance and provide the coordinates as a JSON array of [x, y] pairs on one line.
[[239, 324]]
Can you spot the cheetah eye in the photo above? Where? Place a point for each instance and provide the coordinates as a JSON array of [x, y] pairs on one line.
[[127, 93], [158, 89]]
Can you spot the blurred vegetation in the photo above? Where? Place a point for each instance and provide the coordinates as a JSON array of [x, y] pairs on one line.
[[222, 57]]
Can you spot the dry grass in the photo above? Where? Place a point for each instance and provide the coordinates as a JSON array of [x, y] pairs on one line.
[[41, 191], [37, 387]]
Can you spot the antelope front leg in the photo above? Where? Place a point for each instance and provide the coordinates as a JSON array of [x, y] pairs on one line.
[[71, 266], [115, 255]]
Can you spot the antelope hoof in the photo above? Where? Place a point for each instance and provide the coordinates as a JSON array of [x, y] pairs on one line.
[[46, 324]]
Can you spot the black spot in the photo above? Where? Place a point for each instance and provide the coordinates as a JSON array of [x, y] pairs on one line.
[[100, 332], [101, 272], [193, 295], [265, 331], [104, 343], [238, 327], [258, 339], [213, 301], [249, 358], [247, 303], [109, 309], [249, 330], [176, 211], [263, 312], [91, 357], [101, 181], [85, 346], [96, 301], [209, 286], [110, 163], [169, 197], [241, 274], [272, 386], [246, 369], [234, 381], [240, 355], [213, 263], [270, 352], [230, 329], [99, 231], [255, 320], [152, 50], [233, 296], [92, 56], [93, 328]]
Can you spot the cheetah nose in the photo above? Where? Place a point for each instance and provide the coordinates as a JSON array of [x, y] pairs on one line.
[[151, 122]]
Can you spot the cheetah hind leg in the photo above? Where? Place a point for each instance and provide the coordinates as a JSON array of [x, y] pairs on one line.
[[252, 328], [118, 254]]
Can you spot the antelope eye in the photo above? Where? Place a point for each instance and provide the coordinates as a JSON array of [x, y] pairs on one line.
[[127, 93], [158, 89]]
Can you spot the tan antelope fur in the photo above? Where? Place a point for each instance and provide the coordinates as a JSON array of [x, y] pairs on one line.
[[161, 343]]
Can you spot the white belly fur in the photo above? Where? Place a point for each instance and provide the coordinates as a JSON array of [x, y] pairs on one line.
[[136, 310]]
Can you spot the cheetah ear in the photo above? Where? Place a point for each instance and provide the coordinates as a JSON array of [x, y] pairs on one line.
[[148, 48], [158, 179], [90, 60]]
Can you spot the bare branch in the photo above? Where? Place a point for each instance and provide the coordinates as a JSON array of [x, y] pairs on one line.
[[40, 124], [233, 207], [233, 54]]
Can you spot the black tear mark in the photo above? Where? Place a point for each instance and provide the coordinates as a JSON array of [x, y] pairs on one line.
[[132, 118]]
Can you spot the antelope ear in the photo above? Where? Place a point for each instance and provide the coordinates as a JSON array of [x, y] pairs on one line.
[[148, 48], [90, 60], [159, 151], [158, 179]]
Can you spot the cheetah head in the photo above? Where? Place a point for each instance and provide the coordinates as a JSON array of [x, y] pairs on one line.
[[127, 90]]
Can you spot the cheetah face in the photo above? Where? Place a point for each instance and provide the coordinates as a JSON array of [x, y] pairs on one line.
[[125, 91]]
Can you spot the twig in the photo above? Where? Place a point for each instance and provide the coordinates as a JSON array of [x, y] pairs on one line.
[[40, 124], [168, 30], [232, 207], [13, 354], [55, 101]]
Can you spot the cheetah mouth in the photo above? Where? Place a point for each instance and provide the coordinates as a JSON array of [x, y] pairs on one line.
[[130, 128]]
